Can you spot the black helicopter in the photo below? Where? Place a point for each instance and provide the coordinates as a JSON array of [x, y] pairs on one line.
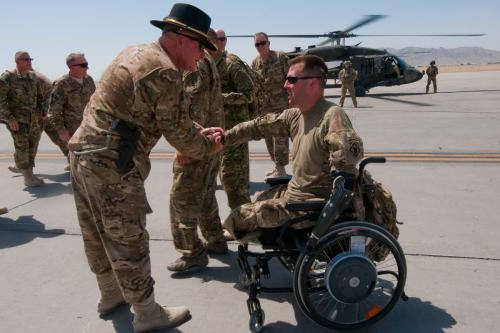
[[375, 67]]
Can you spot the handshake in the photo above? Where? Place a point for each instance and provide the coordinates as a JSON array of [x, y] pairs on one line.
[[217, 136]]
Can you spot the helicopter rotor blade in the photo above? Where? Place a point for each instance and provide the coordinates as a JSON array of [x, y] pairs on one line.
[[364, 21], [286, 36], [431, 35]]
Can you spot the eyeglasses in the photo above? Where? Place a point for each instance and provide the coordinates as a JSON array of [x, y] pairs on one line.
[[221, 39], [26, 59], [294, 79], [200, 44], [264, 42], [82, 65]]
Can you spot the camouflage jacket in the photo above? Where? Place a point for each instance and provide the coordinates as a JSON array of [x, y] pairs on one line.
[[323, 141], [432, 71], [23, 97], [274, 70], [348, 76], [67, 102], [236, 83], [204, 90], [143, 88]]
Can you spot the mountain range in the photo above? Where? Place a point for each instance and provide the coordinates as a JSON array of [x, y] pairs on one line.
[[418, 56]]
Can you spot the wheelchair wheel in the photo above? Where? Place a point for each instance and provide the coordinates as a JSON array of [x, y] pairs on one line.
[[257, 319], [353, 278]]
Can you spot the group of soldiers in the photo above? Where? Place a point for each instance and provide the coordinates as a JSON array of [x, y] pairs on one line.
[[203, 100], [31, 104]]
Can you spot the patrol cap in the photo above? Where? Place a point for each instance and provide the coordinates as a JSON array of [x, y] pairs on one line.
[[22, 54], [347, 62], [188, 17]]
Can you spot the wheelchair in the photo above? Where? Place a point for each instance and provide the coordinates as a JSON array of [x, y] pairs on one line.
[[346, 274]]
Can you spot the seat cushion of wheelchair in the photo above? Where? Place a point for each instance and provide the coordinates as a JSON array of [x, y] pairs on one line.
[[313, 205]]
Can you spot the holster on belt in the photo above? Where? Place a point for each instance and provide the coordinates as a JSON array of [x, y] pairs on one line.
[[127, 146]]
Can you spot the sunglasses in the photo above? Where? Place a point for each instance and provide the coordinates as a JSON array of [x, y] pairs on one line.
[[264, 42], [82, 65], [221, 39], [200, 43], [294, 79], [26, 59]]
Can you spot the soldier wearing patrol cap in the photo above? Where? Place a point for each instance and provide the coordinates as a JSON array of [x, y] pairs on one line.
[[139, 98], [432, 72], [348, 76]]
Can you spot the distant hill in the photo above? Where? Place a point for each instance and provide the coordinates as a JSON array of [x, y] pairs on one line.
[[419, 56]]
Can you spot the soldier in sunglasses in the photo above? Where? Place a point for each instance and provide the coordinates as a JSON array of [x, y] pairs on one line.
[[70, 94], [323, 142]]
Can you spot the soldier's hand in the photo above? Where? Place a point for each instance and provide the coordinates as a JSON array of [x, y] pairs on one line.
[[64, 135], [217, 134], [182, 159], [14, 125]]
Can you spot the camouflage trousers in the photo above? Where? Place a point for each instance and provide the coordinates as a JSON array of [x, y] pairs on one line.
[[278, 147], [26, 141], [234, 163], [434, 83], [54, 137], [193, 203], [352, 91], [111, 209], [268, 211]]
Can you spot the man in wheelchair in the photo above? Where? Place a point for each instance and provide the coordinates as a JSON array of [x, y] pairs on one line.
[[345, 275], [324, 141]]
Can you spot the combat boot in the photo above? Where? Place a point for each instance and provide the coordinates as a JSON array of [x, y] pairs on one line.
[[279, 171], [14, 169], [189, 263], [219, 247], [111, 294], [30, 179], [149, 315]]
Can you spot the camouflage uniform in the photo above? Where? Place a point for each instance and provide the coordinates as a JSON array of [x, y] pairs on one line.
[[274, 70], [67, 102], [192, 197], [24, 98], [324, 141], [432, 72], [347, 77], [237, 91], [46, 88], [143, 88]]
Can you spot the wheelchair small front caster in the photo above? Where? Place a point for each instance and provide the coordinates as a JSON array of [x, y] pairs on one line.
[[257, 320]]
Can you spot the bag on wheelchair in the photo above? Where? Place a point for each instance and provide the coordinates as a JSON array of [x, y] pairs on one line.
[[380, 209]]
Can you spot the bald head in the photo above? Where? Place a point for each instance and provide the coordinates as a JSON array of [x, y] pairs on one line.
[[221, 39]]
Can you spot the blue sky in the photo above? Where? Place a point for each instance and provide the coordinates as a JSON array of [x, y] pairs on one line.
[[51, 29]]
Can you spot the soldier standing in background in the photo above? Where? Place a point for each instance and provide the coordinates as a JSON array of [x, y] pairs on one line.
[[273, 66], [70, 93], [432, 72], [23, 104], [139, 98], [237, 91], [192, 197], [348, 76]]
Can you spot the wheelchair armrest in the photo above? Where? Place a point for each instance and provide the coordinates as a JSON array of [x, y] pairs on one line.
[[273, 181], [316, 205]]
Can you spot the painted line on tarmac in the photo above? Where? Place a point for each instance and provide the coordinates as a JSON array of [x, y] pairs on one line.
[[394, 157]]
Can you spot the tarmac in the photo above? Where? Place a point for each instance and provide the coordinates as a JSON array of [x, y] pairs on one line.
[[444, 173]]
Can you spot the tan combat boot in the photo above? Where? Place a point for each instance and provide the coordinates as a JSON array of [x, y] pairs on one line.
[[279, 171], [30, 179], [149, 315], [14, 169], [189, 263], [111, 294]]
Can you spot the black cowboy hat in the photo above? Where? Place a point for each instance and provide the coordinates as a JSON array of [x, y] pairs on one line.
[[188, 17]]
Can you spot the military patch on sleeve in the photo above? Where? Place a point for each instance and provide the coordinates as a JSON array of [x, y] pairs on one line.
[[354, 147]]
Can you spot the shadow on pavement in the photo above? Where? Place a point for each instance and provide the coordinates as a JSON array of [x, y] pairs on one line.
[[23, 230], [58, 178], [257, 187], [49, 190]]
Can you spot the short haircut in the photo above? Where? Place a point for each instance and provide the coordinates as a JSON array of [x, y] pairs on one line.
[[314, 65], [261, 33], [20, 54], [72, 56]]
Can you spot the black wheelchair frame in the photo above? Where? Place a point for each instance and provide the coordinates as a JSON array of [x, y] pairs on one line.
[[339, 280]]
